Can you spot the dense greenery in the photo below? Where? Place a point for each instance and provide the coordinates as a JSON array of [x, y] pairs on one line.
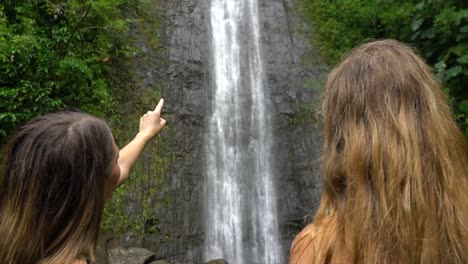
[[438, 29], [60, 54], [54, 54]]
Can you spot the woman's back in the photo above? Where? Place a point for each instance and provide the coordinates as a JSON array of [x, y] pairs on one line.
[[395, 165]]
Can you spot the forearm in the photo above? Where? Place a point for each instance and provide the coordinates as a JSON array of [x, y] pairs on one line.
[[150, 125], [129, 155]]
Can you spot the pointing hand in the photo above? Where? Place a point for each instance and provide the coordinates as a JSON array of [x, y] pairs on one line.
[[152, 122]]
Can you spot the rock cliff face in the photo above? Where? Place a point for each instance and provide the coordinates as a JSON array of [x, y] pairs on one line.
[[185, 36], [187, 85], [293, 75]]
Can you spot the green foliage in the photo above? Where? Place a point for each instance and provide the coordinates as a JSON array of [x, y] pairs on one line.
[[59, 54], [145, 180], [441, 32], [55, 55], [132, 208], [439, 29]]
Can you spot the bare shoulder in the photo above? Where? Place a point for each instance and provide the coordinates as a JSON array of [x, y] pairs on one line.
[[308, 232], [303, 246]]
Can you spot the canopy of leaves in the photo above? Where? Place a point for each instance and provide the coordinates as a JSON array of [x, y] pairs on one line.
[[54, 55], [438, 29]]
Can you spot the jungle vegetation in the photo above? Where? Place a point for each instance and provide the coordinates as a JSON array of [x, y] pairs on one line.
[[438, 29]]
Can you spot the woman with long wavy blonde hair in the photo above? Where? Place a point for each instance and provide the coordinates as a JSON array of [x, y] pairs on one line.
[[395, 166], [56, 174]]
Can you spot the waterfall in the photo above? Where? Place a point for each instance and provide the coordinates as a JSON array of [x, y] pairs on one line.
[[240, 200]]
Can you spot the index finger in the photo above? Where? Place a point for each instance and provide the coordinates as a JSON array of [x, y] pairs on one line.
[[159, 106]]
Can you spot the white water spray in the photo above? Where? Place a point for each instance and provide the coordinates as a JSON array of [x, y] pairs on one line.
[[241, 213]]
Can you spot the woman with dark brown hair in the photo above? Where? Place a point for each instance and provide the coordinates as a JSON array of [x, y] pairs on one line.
[[395, 166], [56, 175]]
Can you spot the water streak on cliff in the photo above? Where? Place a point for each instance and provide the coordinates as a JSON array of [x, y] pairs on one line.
[[241, 215]]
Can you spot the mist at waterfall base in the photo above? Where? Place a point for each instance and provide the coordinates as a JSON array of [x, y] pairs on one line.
[[240, 197]]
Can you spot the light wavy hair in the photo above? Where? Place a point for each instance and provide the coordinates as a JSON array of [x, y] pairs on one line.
[[52, 189], [395, 162]]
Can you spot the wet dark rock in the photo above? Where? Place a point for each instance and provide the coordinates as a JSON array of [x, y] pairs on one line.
[[130, 239], [182, 68], [185, 36], [130, 255], [101, 251], [293, 73], [217, 261], [161, 261]]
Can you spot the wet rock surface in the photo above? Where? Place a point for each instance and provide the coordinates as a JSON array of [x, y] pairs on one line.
[[122, 255], [217, 261], [185, 36], [182, 68], [130, 255], [293, 77]]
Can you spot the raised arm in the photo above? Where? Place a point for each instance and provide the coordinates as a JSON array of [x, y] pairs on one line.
[[150, 125]]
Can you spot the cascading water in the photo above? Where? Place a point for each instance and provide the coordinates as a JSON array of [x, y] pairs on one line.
[[241, 213]]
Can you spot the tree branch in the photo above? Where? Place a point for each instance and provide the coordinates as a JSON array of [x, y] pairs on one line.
[[75, 29]]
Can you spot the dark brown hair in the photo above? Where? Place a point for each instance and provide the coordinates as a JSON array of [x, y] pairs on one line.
[[52, 189]]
